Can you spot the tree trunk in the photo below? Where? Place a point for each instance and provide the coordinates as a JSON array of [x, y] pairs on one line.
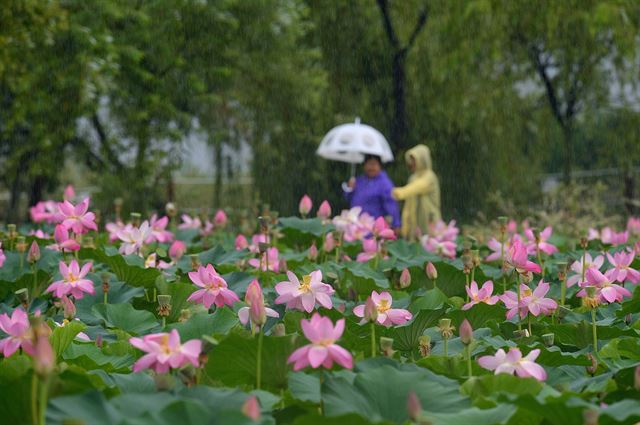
[[14, 193], [217, 188], [36, 190], [399, 123], [138, 187], [629, 186], [567, 164]]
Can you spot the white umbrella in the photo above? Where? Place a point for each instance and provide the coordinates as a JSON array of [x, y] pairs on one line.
[[351, 142]]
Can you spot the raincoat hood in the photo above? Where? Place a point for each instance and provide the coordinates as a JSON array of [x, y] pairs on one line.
[[422, 156]]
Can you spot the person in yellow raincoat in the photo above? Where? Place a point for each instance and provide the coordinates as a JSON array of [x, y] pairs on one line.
[[421, 195]]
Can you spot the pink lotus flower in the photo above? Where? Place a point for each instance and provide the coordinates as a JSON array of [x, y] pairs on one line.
[[577, 268], [2, 256], [512, 226], [81, 336], [305, 205], [165, 352], [256, 240], [610, 237], [387, 316], [621, 261], [323, 350], [543, 245], [480, 296], [535, 302], [510, 300], [76, 218], [324, 211], [177, 250], [517, 259], [133, 238], [269, 261], [115, 228], [251, 408], [73, 281], [370, 249], [207, 229], [215, 290], [353, 224], [606, 290], [19, 331], [241, 243], [593, 234], [329, 242], [190, 223], [495, 246], [63, 242], [220, 218], [304, 295], [633, 225], [39, 234], [151, 262], [158, 230], [255, 310], [513, 361], [441, 247], [45, 211], [381, 229]]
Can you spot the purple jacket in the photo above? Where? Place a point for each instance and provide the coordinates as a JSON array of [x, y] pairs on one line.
[[374, 196]]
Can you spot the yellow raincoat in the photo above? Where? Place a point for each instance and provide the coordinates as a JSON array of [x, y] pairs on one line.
[[421, 195]]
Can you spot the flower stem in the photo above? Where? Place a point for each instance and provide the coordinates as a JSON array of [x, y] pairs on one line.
[[529, 318], [446, 347], [584, 262], [563, 291], [469, 371], [164, 322], [373, 339], [594, 330], [259, 361], [540, 261], [106, 295], [466, 277], [434, 283], [34, 398], [43, 399], [519, 315], [321, 407]]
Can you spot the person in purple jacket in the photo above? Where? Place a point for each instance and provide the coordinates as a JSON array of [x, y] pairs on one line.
[[372, 192]]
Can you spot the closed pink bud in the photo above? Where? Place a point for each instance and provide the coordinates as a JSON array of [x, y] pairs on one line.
[[313, 252], [251, 408], [305, 205], [220, 219], [68, 307], [43, 357], [432, 273], [241, 242], [324, 211], [69, 193], [177, 249], [370, 310], [254, 298], [405, 278], [414, 408], [34, 253], [466, 332], [329, 243]]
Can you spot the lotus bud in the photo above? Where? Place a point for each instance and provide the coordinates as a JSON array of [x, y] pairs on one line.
[[313, 252], [164, 305], [405, 279], [34, 253], [424, 345], [43, 358], [370, 310], [23, 296], [69, 193], [466, 332], [135, 218], [21, 245], [251, 408], [185, 314], [278, 330], [305, 205], [431, 271], [414, 408], [220, 218], [177, 250], [324, 211], [329, 243], [241, 242], [195, 262], [386, 345], [68, 307], [548, 339]]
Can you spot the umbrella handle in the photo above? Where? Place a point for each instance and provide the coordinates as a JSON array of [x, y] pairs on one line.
[[353, 170]]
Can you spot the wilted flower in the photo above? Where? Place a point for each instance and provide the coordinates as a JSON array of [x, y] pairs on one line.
[[73, 281], [164, 351], [386, 315], [513, 361], [323, 350], [304, 295], [214, 288]]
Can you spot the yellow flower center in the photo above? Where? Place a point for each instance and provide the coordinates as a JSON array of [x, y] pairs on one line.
[[527, 293], [383, 306], [305, 285], [164, 344]]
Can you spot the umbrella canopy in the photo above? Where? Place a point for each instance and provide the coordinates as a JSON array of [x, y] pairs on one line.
[[351, 142]]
